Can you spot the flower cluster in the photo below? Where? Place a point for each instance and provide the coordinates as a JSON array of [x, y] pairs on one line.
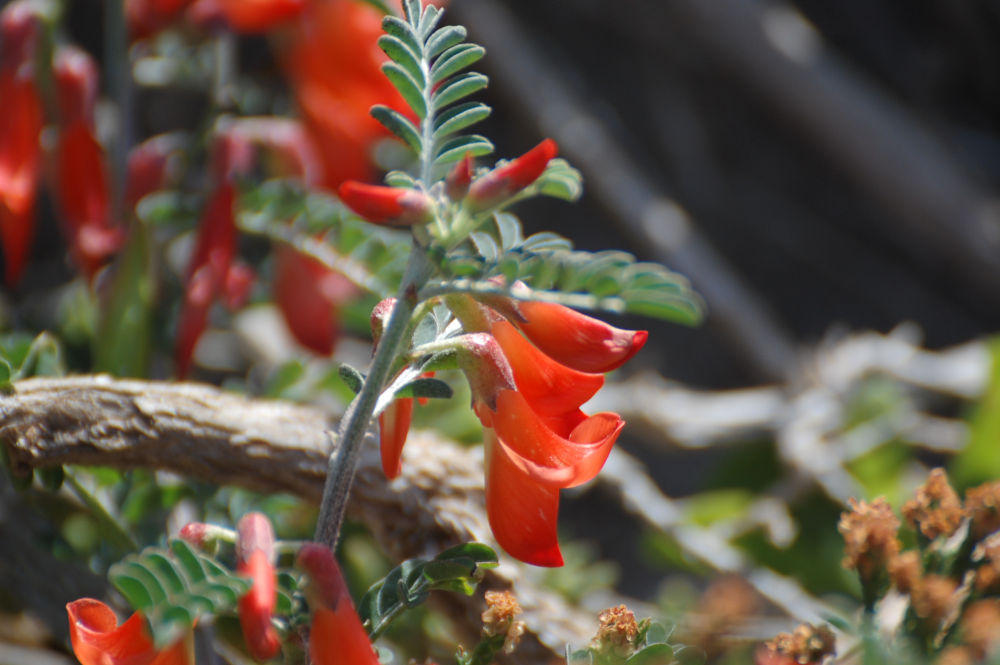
[[336, 636], [530, 366]]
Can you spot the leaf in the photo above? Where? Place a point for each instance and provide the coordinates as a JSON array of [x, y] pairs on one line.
[[398, 124], [173, 587], [426, 387], [459, 117], [408, 87], [654, 654], [354, 379], [408, 584], [428, 20], [458, 88], [443, 39], [454, 60], [508, 230], [400, 29], [403, 55], [458, 147]]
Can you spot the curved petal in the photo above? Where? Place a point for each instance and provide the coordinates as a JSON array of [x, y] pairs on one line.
[[98, 639], [523, 513], [309, 295], [577, 340], [256, 607], [337, 636], [394, 425], [549, 386], [544, 455]]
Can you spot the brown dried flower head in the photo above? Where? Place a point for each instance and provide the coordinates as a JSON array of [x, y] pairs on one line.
[[936, 510], [618, 630], [905, 570], [933, 597], [806, 645], [500, 616], [869, 532], [987, 575], [983, 507], [981, 627]]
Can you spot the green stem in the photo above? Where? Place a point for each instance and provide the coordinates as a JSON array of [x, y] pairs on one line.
[[356, 423]]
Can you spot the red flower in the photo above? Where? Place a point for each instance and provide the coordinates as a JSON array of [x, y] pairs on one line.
[[98, 639], [82, 180], [310, 295], [212, 272], [388, 206], [333, 65], [147, 17], [252, 16], [337, 636], [20, 151], [577, 340], [394, 426], [149, 168], [505, 181], [255, 558]]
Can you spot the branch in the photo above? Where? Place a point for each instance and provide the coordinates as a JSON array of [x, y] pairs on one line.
[[273, 446]]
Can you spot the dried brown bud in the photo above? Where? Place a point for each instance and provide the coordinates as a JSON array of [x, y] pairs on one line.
[[869, 532], [905, 570], [726, 604], [981, 627], [988, 573], [618, 630], [933, 597], [936, 510], [806, 645], [983, 507], [499, 618]]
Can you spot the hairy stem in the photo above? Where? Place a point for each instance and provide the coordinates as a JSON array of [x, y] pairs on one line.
[[356, 424]]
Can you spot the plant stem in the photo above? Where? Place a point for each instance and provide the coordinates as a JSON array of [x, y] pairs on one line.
[[355, 426]]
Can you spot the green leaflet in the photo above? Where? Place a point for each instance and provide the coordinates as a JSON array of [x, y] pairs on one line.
[[612, 281], [173, 587], [407, 585], [427, 66]]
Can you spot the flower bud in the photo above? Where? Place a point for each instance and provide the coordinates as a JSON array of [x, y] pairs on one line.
[[456, 184], [505, 181], [388, 206], [75, 74], [255, 558]]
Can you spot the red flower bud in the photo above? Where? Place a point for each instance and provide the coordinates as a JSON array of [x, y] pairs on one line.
[[394, 426], [19, 29], [255, 558], [337, 636], [456, 184], [150, 167], [75, 74], [388, 206], [505, 181], [253, 16]]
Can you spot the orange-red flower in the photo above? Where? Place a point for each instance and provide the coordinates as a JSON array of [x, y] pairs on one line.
[[505, 181], [336, 636], [333, 65], [537, 438], [20, 151], [252, 16], [255, 558], [82, 180], [388, 206], [98, 639]]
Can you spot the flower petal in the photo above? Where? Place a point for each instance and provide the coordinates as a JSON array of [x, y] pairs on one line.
[[545, 455], [394, 426], [256, 607], [253, 16], [98, 639], [577, 340], [337, 636], [309, 296], [523, 513], [550, 387]]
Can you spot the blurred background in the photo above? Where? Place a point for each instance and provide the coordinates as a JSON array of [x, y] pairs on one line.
[[825, 175]]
